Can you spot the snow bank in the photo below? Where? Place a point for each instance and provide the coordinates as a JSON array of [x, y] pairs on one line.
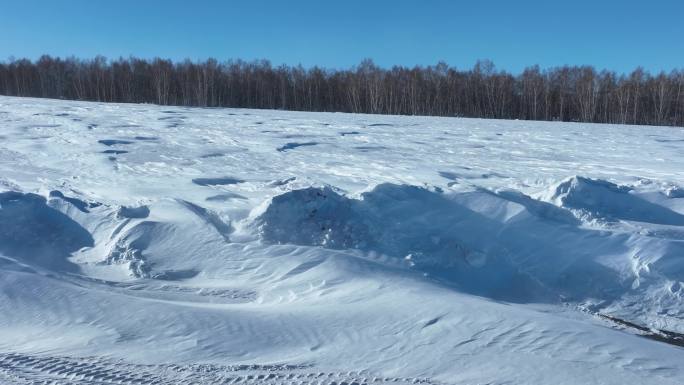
[[603, 200], [504, 244], [133, 242], [398, 220], [427, 230], [168, 240], [35, 233]]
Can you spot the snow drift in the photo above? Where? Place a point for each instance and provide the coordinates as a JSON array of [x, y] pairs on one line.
[[599, 199], [195, 245], [35, 233], [502, 244]]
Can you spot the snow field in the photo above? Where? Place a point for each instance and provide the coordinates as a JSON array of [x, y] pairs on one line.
[[145, 243]]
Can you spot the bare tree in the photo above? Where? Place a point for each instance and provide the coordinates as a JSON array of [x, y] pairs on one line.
[[564, 93]]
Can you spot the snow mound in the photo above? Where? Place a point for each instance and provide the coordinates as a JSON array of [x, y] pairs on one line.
[[674, 192], [130, 247], [505, 245], [603, 200], [167, 242], [397, 220], [314, 216], [133, 212], [35, 233], [81, 205], [424, 230]]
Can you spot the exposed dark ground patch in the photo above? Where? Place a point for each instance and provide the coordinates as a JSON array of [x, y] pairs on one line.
[[79, 204], [115, 152], [432, 322], [381, 125], [212, 155], [112, 142], [175, 275], [345, 133], [282, 182], [294, 136], [293, 145], [219, 181], [454, 176], [126, 126], [38, 126], [133, 212], [370, 148], [448, 175], [669, 337], [146, 138], [225, 197]]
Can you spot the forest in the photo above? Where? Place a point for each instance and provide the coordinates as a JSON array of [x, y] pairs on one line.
[[568, 93]]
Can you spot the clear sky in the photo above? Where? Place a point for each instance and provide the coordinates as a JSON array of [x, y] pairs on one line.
[[611, 34]]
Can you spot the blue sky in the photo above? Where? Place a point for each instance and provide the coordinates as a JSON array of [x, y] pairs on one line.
[[616, 35]]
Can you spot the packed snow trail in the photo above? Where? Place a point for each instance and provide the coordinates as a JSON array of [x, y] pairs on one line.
[[148, 244]]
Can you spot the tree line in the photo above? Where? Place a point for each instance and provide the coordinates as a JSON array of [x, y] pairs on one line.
[[568, 93]]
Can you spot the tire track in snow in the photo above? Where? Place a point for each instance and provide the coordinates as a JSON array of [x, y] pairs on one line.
[[20, 369]]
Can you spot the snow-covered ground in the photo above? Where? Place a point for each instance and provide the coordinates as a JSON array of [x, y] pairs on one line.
[[147, 244]]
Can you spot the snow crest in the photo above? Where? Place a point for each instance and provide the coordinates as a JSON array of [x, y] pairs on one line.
[[603, 200], [398, 220], [33, 232], [502, 244]]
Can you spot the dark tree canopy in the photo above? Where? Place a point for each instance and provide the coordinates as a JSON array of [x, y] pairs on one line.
[[564, 93]]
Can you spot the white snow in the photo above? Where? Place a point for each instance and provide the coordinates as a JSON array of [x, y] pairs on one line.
[[172, 244]]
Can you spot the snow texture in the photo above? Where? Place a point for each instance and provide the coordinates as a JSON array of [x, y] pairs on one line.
[[142, 244]]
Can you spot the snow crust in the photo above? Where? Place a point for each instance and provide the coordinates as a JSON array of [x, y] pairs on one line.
[[335, 246]]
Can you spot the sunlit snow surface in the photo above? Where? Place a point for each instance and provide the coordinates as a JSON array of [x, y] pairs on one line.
[[147, 244]]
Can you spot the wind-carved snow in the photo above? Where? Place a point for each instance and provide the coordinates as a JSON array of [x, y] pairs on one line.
[[35, 233], [599, 199], [504, 245], [420, 226], [141, 244]]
